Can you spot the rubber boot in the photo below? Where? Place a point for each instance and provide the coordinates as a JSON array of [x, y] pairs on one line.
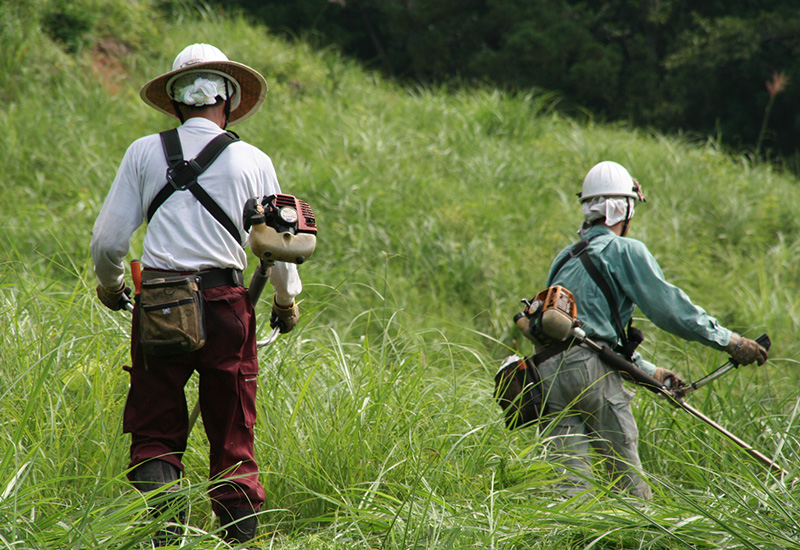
[[239, 525], [151, 476]]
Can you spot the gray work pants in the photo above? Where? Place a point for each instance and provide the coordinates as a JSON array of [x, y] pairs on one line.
[[590, 408]]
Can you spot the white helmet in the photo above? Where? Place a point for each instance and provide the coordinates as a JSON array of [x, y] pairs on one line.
[[609, 179]]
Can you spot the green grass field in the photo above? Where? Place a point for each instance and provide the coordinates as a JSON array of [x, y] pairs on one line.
[[438, 211]]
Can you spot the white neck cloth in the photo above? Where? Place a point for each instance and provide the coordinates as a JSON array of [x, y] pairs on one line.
[[613, 209], [199, 89]]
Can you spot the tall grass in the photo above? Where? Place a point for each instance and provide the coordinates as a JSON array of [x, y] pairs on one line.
[[437, 212]]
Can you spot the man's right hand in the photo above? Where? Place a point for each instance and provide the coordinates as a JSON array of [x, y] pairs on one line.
[[114, 300], [745, 351]]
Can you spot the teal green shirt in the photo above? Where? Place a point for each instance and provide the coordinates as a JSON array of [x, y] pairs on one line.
[[635, 279]]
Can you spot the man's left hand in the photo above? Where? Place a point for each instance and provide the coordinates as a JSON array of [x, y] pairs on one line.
[[666, 376], [284, 317]]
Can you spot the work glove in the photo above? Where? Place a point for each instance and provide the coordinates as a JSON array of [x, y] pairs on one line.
[[745, 351], [667, 377], [114, 299], [284, 317]]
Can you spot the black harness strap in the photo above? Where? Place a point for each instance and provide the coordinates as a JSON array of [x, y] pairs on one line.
[[601, 282], [552, 351], [579, 250], [182, 175]]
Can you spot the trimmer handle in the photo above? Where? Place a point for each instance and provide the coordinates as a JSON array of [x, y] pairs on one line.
[[762, 341], [136, 275], [730, 365]]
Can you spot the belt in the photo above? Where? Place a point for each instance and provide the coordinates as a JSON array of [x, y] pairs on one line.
[[551, 351], [209, 278], [220, 277]]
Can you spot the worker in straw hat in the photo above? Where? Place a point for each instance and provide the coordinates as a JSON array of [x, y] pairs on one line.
[[206, 92], [584, 396]]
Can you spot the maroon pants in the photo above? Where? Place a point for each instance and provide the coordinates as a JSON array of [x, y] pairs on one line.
[[156, 415]]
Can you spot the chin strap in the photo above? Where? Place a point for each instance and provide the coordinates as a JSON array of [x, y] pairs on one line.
[[627, 218], [628, 215], [227, 104], [178, 112]]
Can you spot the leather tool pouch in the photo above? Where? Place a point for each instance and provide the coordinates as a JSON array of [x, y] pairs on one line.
[[172, 319], [518, 391]]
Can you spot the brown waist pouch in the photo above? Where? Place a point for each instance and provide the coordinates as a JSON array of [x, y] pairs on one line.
[[171, 316]]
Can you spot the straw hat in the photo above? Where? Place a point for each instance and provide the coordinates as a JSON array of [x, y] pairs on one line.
[[250, 88]]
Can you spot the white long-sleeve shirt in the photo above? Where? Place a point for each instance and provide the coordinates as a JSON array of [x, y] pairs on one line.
[[183, 235]]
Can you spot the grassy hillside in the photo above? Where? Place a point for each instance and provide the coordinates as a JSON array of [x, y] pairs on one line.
[[437, 212]]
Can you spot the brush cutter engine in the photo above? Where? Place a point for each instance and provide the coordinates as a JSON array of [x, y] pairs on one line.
[[551, 316], [284, 228]]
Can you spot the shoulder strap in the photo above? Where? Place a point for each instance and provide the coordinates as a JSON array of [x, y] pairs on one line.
[[173, 151], [215, 210], [182, 175], [601, 282], [171, 143], [579, 248], [579, 251]]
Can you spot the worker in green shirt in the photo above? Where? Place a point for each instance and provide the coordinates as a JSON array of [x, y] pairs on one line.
[[586, 397]]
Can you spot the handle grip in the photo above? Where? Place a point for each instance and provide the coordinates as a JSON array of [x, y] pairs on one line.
[[762, 341], [136, 275], [259, 281]]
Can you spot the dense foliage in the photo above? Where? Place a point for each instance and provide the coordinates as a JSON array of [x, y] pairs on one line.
[[675, 65], [438, 210]]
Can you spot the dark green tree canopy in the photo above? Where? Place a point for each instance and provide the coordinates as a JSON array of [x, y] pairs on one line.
[[673, 65]]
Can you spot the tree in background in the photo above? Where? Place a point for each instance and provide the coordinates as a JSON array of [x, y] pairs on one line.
[[674, 65], [715, 77]]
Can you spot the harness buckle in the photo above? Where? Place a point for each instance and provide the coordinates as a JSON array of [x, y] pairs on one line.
[[182, 175], [578, 249]]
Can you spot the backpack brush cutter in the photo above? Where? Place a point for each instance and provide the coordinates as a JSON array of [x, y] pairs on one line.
[[282, 229], [551, 317]]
